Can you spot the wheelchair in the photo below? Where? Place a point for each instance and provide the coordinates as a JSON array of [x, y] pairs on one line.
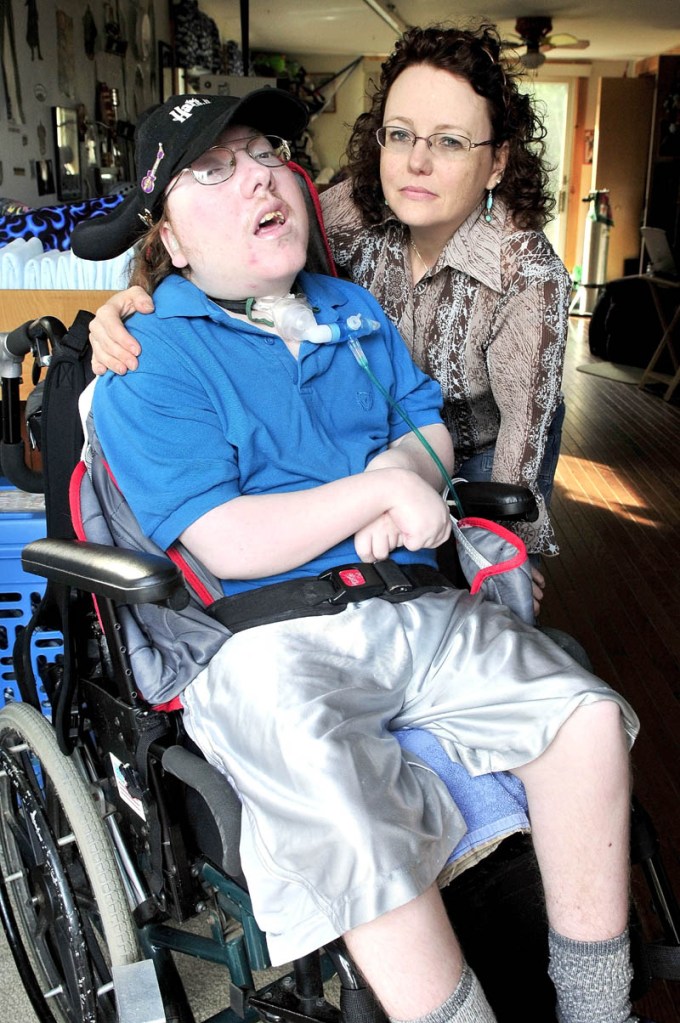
[[118, 841]]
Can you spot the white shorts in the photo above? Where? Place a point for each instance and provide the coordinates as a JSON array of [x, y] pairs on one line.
[[339, 824]]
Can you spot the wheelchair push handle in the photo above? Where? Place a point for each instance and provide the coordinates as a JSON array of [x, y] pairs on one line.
[[39, 337]]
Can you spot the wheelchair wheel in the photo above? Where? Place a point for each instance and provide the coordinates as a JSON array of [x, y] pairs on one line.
[[64, 905]]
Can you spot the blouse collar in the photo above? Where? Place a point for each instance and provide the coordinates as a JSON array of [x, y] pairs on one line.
[[475, 248]]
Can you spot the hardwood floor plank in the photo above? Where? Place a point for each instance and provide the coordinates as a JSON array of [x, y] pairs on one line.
[[616, 509]]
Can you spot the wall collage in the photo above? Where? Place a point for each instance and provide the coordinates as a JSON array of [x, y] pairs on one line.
[[74, 80]]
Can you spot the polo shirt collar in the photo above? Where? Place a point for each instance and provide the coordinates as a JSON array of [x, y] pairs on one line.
[[183, 299]]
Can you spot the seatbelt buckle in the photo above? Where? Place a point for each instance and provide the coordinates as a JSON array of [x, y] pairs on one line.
[[392, 574], [359, 581], [353, 582]]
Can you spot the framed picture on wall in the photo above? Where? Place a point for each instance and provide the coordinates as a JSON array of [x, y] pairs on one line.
[[67, 153]]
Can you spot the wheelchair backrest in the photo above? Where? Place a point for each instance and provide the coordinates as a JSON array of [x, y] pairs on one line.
[[166, 648]]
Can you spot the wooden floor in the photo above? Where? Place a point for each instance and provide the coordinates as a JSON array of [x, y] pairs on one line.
[[616, 584]]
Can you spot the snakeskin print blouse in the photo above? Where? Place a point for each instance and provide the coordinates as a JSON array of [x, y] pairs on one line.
[[488, 321]]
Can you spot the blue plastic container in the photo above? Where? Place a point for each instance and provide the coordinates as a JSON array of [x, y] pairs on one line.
[[22, 519]]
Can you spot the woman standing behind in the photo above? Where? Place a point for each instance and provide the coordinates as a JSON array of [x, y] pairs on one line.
[[441, 218]]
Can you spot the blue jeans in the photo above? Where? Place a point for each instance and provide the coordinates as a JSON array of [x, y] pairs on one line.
[[478, 468]]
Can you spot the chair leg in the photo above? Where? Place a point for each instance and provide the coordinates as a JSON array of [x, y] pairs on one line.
[[663, 956]]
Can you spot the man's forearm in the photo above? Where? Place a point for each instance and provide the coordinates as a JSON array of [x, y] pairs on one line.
[[255, 536]]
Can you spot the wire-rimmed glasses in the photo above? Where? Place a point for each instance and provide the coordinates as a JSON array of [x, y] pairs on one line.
[[219, 163], [448, 144]]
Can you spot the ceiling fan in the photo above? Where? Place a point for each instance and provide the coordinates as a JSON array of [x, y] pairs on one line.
[[536, 34]]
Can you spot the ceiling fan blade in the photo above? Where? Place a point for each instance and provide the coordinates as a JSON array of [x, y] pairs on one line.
[[566, 41]]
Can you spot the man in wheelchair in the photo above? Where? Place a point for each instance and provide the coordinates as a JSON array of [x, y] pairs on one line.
[[267, 429]]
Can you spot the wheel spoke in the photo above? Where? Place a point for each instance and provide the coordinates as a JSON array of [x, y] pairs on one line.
[[66, 891]]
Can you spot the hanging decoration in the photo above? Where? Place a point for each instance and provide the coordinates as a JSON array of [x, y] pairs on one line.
[[10, 65], [66, 60], [32, 29], [197, 39], [89, 33]]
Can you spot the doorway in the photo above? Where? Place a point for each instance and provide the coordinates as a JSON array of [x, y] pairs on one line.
[[555, 105]]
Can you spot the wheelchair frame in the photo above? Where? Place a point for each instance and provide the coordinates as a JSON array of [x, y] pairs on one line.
[[98, 854], [116, 800]]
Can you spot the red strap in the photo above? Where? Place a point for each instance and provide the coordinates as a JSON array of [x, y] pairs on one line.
[[174, 704], [202, 592], [314, 196], [74, 499]]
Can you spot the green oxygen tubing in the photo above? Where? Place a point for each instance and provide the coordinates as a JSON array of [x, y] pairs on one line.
[[293, 317], [354, 323]]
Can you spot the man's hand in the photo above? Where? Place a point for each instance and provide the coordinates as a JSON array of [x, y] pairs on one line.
[[377, 540], [112, 346], [417, 518]]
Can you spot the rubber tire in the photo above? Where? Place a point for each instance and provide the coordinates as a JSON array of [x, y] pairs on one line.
[[92, 838]]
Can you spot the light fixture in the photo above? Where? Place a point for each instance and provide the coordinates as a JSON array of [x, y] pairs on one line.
[[533, 58], [389, 15]]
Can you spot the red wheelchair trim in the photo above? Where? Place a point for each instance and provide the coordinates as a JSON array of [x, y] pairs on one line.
[[314, 196], [505, 566]]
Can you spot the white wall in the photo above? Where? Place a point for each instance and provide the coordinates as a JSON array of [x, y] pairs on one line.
[[330, 131], [66, 76]]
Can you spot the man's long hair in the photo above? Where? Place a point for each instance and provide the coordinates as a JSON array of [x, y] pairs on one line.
[[151, 262]]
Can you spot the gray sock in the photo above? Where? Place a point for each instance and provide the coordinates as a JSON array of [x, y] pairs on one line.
[[467, 1004], [592, 979]]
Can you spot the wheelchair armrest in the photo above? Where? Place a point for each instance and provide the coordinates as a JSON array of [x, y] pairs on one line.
[[128, 577], [498, 501]]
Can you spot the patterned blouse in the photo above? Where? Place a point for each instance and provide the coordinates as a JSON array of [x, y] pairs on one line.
[[488, 321]]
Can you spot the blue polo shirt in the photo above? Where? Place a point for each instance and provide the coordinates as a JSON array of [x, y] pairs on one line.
[[219, 408]]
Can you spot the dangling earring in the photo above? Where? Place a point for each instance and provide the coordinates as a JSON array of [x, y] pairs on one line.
[[489, 205]]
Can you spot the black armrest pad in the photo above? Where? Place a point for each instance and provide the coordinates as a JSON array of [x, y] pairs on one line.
[[128, 577], [498, 501]]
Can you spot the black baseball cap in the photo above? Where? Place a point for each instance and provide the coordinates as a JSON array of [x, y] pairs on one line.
[[168, 138]]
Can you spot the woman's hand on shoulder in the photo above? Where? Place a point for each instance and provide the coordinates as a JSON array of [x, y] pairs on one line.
[[112, 346]]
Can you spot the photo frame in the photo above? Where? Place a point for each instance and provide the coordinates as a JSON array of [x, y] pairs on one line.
[[67, 153]]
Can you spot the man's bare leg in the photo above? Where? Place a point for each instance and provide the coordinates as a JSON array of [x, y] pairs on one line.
[[413, 962], [579, 804]]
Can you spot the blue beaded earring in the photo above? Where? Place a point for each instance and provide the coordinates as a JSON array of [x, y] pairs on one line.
[[489, 205]]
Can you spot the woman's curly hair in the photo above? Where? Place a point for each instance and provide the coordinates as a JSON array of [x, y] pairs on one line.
[[474, 55]]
